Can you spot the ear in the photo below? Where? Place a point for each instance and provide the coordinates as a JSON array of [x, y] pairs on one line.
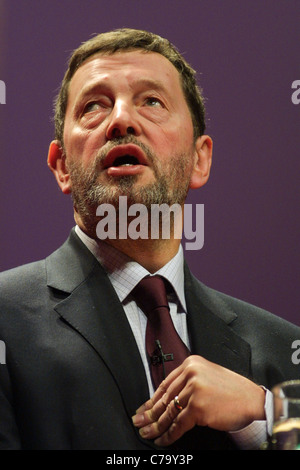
[[57, 164], [202, 164]]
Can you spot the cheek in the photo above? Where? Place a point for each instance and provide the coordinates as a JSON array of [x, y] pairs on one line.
[[80, 144], [179, 139]]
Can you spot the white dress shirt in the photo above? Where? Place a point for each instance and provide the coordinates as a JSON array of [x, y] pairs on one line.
[[124, 274]]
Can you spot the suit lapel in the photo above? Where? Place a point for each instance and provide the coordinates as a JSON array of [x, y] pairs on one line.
[[208, 323], [93, 309]]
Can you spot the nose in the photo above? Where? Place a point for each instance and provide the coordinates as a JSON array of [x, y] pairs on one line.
[[123, 121]]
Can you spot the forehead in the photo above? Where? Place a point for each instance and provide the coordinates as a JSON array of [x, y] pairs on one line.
[[132, 66]]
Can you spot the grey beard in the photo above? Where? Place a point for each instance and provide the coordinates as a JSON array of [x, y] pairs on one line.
[[88, 193]]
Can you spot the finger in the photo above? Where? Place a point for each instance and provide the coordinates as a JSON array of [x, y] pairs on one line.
[[150, 412], [154, 408], [181, 424], [152, 430], [164, 421], [160, 391]]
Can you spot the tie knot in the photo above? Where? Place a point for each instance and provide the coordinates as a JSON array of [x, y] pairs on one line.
[[150, 293]]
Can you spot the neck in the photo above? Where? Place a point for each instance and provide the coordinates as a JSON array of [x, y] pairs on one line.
[[152, 254]]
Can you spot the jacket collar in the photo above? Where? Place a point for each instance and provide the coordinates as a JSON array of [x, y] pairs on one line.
[[91, 306]]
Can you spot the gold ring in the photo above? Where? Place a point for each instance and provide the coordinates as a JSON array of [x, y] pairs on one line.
[[177, 403]]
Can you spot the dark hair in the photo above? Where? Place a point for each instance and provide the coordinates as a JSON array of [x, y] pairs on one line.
[[126, 40]]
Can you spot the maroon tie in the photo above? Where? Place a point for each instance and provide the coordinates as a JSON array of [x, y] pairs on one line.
[[165, 349]]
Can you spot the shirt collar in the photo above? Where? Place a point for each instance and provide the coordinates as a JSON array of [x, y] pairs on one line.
[[125, 273]]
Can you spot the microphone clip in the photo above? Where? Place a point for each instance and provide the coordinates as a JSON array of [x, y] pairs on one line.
[[158, 357]]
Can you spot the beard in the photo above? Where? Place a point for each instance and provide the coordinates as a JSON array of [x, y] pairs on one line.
[[170, 186]]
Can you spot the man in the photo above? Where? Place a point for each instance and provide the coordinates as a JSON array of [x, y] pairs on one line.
[[130, 123]]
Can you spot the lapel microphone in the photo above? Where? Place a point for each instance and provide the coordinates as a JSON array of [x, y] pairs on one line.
[[158, 357]]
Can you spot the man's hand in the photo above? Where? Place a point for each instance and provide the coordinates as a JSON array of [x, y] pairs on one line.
[[209, 394]]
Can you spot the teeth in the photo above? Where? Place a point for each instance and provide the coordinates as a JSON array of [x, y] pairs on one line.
[[125, 160]]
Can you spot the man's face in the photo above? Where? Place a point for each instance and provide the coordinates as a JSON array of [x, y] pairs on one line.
[[128, 131]]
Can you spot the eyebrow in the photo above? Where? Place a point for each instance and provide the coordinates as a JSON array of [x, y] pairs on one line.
[[150, 83], [93, 88]]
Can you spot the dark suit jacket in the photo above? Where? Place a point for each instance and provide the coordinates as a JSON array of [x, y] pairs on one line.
[[73, 375]]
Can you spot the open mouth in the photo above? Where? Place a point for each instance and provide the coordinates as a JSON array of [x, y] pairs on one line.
[[125, 160], [128, 155]]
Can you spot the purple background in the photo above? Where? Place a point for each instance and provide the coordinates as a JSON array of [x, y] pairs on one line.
[[247, 55]]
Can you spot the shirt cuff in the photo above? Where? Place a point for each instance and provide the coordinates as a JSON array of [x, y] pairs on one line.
[[256, 433]]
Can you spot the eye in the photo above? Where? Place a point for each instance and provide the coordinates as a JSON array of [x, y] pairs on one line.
[[90, 107], [101, 103], [153, 102]]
